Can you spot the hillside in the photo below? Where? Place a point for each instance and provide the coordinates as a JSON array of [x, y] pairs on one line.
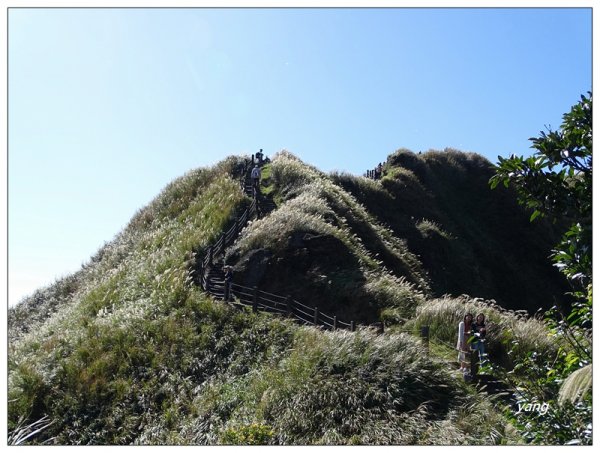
[[130, 350], [470, 239], [431, 226]]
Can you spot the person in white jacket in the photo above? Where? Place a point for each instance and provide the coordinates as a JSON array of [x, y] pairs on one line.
[[255, 175], [462, 343]]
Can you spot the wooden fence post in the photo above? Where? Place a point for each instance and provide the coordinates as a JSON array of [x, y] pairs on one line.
[[288, 305], [334, 322], [352, 326], [210, 255], [201, 273], [425, 337], [381, 327], [223, 241], [255, 300], [316, 316]]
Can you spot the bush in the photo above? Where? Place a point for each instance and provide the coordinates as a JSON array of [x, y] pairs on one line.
[[254, 434]]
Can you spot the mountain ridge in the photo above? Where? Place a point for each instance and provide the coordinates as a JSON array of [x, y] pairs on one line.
[[130, 350]]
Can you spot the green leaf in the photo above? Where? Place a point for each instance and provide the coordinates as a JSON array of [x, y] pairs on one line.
[[534, 216]]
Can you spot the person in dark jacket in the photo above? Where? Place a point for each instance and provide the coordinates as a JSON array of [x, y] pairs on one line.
[[479, 331]]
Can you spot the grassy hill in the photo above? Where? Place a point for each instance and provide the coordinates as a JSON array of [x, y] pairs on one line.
[[469, 239], [130, 351], [356, 247]]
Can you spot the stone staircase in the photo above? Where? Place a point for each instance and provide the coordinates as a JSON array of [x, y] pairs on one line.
[[265, 205], [265, 202], [213, 273]]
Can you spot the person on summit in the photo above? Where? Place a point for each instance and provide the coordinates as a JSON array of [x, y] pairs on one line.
[[255, 175], [464, 334]]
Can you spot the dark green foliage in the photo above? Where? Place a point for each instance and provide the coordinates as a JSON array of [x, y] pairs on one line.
[[32, 395], [556, 182], [540, 378], [470, 240]]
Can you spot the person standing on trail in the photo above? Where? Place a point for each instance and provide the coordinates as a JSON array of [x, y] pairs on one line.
[[462, 344], [479, 331], [255, 175]]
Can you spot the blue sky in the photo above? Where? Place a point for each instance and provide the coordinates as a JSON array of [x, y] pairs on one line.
[[107, 106]]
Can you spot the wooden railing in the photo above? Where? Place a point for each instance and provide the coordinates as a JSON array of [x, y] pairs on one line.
[[374, 174], [226, 239], [286, 306]]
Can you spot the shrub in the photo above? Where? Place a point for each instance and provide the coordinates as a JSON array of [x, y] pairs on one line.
[[254, 434]]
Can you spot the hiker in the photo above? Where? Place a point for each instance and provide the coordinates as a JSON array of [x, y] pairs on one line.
[[255, 175], [479, 331], [228, 281], [462, 344], [378, 171], [259, 156]]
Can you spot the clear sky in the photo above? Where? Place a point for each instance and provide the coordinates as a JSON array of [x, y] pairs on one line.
[[107, 106]]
